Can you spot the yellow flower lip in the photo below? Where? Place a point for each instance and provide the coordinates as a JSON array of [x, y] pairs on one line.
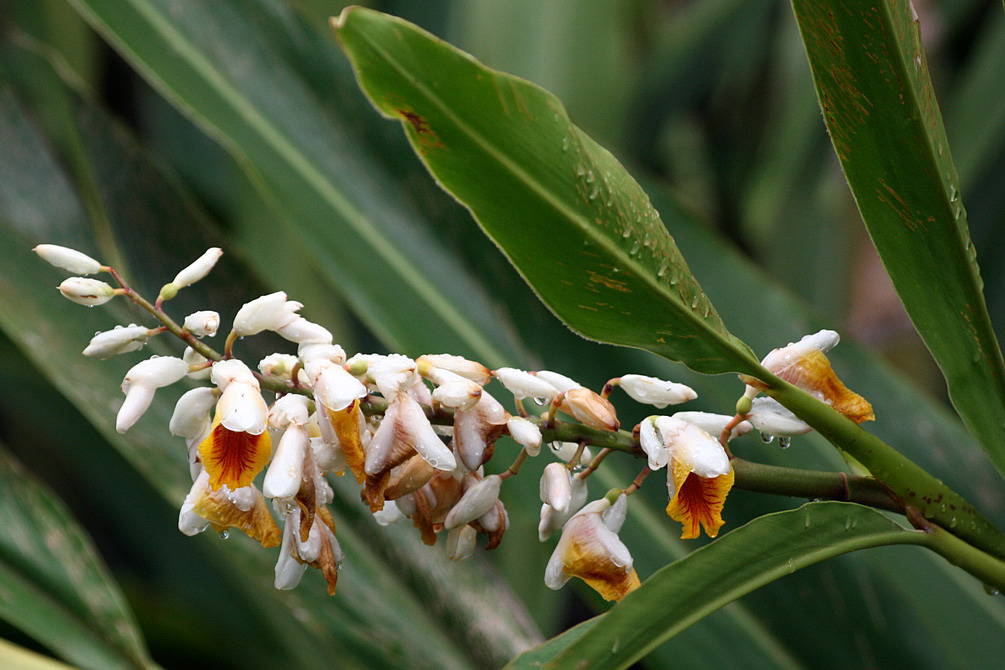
[[233, 458]]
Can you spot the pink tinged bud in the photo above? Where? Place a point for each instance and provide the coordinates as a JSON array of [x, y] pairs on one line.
[[560, 383], [282, 479], [590, 408], [269, 312], [333, 387], [652, 442], [656, 392], [198, 269], [714, 424], [140, 383], [771, 418], [526, 433], [556, 487], [202, 324], [461, 542], [194, 359], [459, 365], [302, 331], [191, 417], [242, 409], [523, 384], [289, 571], [390, 514], [68, 259], [119, 340], [86, 291]]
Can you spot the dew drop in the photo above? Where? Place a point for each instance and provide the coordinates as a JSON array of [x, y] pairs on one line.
[[673, 279], [580, 170], [338, 566], [694, 302], [589, 176], [784, 442], [636, 245], [565, 143], [991, 590], [663, 268], [627, 232], [847, 523], [538, 401], [767, 438], [594, 192], [953, 522], [224, 534], [578, 467]]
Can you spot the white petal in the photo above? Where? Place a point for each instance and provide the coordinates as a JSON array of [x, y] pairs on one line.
[[68, 259], [526, 433], [422, 436], [556, 487], [232, 370], [302, 331], [472, 370], [198, 268], [615, 515], [202, 324], [189, 522], [267, 312], [282, 479], [461, 542], [291, 408], [138, 399], [523, 384], [191, 417], [771, 418], [390, 514], [653, 444], [242, 408], [713, 424], [823, 340], [119, 340], [560, 383], [333, 386], [656, 392], [475, 502], [86, 291], [155, 372], [289, 571]]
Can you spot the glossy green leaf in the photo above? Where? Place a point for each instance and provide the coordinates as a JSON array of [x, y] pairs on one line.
[[53, 584], [747, 558], [564, 211], [879, 104]]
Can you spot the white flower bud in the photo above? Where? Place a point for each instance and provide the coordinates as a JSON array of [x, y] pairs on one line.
[[140, 383], [191, 413], [714, 424], [458, 394], [523, 384], [194, 359], [202, 324], [269, 312], [278, 365], [561, 383], [282, 479], [333, 386], [461, 542], [119, 340], [189, 522], [302, 331], [231, 370], [198, 269], [390, 514], [459, 365], [691, 444], [656, 392], [526, 433], [242, 409], [556, 487], [86, 291], [653, 443], [290, 409], [771, 418], [392, 373], [68, 259], [475, 502]]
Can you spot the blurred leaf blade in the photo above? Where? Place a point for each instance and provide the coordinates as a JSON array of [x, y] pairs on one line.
[[765, 549], [879, 105], [391, 271], [571, 219], [55, 586]]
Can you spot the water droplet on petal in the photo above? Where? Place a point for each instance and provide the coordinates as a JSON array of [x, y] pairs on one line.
[[224, 534], [767, 438], [784, 442]]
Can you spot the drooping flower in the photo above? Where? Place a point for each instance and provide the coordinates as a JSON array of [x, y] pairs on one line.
[[805, 364], [699, 474], [140, 383], [268, 312], [224, 508], [238, 446], [591, 550]]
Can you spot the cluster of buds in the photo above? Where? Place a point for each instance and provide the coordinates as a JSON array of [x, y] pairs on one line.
[[418, 436]]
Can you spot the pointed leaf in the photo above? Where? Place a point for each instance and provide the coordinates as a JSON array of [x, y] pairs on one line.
[[565, 212], [745, 559], [879, 105]]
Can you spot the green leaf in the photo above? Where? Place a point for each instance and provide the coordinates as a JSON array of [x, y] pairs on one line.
[[873, 83], [565, 212], [54, 585], [218, 66], [745, 559]]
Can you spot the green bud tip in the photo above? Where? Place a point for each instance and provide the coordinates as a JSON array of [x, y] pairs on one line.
[[743, 406], [168, 291], [613, 495]]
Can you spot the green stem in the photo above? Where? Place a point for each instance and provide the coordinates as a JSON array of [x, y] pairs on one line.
[[981, 565], [907, 482]]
